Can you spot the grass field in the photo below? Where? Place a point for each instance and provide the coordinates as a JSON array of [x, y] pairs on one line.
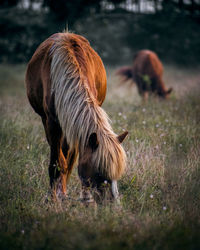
[[160, 191]]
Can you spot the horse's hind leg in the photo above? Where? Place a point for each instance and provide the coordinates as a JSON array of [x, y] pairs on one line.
[[44, 121], [57, 166], [142, 88]]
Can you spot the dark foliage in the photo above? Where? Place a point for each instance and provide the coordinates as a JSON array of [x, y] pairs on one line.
[[21, 32], [173, 36], [172, 31], [8, 3], [72, 10]]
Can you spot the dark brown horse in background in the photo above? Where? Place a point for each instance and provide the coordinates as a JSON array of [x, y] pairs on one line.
[[147, 73], [66, 85]]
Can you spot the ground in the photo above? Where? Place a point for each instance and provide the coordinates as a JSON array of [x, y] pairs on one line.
[[160, 190]]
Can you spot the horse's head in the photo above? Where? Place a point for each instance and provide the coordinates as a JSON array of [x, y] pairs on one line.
[[167, 93], [102, 163]]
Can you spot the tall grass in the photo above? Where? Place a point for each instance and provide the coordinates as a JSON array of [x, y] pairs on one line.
[[160, 191]]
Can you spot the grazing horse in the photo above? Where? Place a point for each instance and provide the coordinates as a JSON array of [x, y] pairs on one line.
[[66, 85], [147, 72]]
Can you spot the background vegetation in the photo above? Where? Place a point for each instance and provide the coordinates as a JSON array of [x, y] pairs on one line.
[[160, 191]]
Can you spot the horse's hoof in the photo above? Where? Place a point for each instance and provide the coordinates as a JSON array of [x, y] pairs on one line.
[[61, 197]]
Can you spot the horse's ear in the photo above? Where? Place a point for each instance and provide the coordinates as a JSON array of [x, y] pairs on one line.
[[93, 141], [121, 137], [169, 90]]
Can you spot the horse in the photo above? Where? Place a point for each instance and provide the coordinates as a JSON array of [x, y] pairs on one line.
[[66, 86], [147, 73]]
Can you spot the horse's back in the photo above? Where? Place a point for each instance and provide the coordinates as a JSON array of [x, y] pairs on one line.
[[78, 49], [88, 62], [38, 75], [147, 63]]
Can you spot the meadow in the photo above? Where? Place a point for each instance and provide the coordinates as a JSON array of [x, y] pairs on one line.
[[160, 190]]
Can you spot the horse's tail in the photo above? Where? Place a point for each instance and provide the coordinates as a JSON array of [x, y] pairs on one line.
[[125, 73]]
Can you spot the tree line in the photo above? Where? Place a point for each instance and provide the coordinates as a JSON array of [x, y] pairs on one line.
[[160, 25]]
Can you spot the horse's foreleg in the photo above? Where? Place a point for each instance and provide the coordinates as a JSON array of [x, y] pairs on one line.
[[71, 159], [86, 194], [70, 156], [145, 96]]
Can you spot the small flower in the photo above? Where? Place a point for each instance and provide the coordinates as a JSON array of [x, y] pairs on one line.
[[119, 114], [137, 140], [143, 110], [157, 125], [28, 147], [164, 208], [105, 182], [151, 196], [22, 231], [164, 142], [144, 122], [180, 145], [124, 117], [166, 120]]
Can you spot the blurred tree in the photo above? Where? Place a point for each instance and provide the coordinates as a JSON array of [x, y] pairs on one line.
[[116, 2], [173, 27], [188, 7], [156, 2], [8, 3], [71, 10]]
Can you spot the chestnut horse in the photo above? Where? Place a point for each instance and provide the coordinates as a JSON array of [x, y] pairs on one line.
[[147, 72], [66, 85]]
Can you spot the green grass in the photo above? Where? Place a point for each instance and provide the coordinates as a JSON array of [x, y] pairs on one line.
[[160, 191]]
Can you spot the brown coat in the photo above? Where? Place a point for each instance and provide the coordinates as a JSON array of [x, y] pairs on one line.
[[147, 73], [66, 85], [38, 70]]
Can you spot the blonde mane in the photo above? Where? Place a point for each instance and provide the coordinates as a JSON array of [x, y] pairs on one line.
[[79, 114]]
